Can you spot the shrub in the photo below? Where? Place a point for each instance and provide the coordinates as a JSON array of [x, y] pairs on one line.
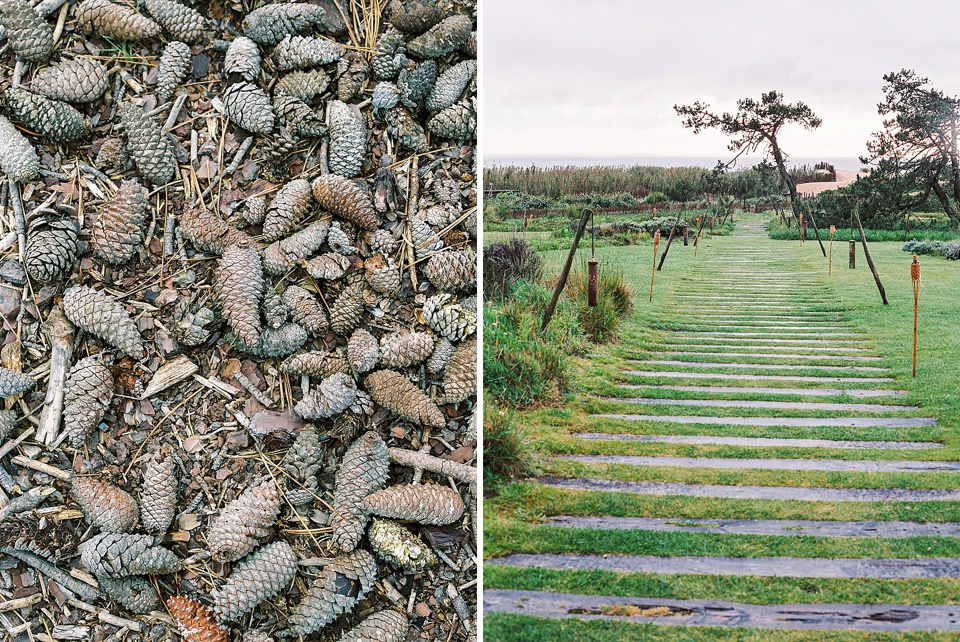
[[504, 447], [614, 299], [656, 198], [506, 263]]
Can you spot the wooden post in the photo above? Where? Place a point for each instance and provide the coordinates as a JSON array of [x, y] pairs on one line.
[[552, 306], [866, 253], [853, 254], [696, 239], [833, 230], [593, 282], [686, 234], [801, 229], [653, 272], [915, 277], [666, 250]]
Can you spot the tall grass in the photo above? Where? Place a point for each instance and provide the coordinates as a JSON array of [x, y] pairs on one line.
[[508, 262], [504, 447], [614, 302], [780, 232]]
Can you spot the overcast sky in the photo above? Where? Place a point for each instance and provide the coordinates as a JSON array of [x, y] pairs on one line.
[[600, 77]]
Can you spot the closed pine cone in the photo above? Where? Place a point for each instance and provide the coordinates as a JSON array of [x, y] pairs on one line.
[[244, 522], [453, 270], [18, 158], [86, 397], [394, 392], [337, 589], [414, 16], [304, 457], [195, 621], [8, 421], [451, 319], [389, 44], [315, 364], [363, 471], [460, 376], [182, 22], [81, 80], [105, 18], [299, 52], [306, 310], [175, 62], [13, 382], [383, 276], [282, 256], [363, 351], [112, 155], [347, 311], [298, 116], [256, 578], [251, 212], [208, 232], [103, 316], [329, 266], [53, 247], [416, 82], [240, 291], [450, 85], [249, 107], [397, 545], [430, 504], [335, 394], [118, 231], [348, 140], [348, 425], [242, 59], [304, 85], [352, 72], [443, 38], [403, 350], [125, 554], [29, 35], [149, 146], [457, 122], [57, 120], [276, 342], [405, 129], [389, 625], [158, 499], [343, 197], [442, 353], [134, 593], [425, 240], [293, 202], [106, 507], [271, 23]]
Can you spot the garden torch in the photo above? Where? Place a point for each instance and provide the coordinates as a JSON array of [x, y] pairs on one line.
[[915, 277], [696, 240], [800, 229], [593, 273], [833, 230], [656, 244]]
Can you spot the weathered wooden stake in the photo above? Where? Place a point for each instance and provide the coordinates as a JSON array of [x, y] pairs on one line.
[[562, 281], [866, 253], [915, 276], [653, 272], [696, 239], [686, 234], [801, 229], [666, 250], [853, 254], [833, 230]]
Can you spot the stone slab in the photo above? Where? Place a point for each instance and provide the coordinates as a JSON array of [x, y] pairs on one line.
[[834, 465], [749, 377], [763, 355], [761, 442], [778, 405], [785, 341], [787, 422], [757, 366], [813, 392], [723, 349]]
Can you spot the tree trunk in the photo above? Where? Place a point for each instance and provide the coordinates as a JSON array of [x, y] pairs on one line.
[[944, 200]]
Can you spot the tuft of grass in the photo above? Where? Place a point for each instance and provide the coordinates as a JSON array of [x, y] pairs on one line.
[[508, 262], [505, 447], [615, 302]]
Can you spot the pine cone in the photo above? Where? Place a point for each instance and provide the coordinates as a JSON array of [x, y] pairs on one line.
[[275, 311], [404, 350], [347, 311], [457, 122], [298, 52], [112, 155], [257, 635], [249, 107], [151, 149], [53, 246], [470, 223], [363, 471], [60, 122], [384, 276], [13, 382], [106, 507], [304, 85], [443, 38], [347, 426], [363, 351], [291, 205], [306, 311], [460, 377], [414, 16], [348, 140], [208, 232], [453, 270], [276, 342], [242, 59], [258, 577], [29, 35], [450, 319], [250, 212], [334, 395], [240, 291], [181, 22], [118, 231], [450, 85], [383, 242], [389, 45], [86, 398], [425, 240], [104, 18], [304, 458], [175, 62], [298, 116], [395, 544], [385, 96], [343, 197], [337, 589], [134, 593], [447, 191], [430, 504], [271, 23], [76, 81], [415, 83], [383, 626], [386, 198], [244, 522], [394, 392], [158, 499], [363, 404], [8, 421], [193, 326], [275, 153], [352, 72], [442, 352], [319, 365], [103, 316], [195, 621], [405, 128], [339, 241], [18, 158]]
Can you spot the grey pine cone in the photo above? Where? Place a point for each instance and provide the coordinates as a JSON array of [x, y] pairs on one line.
[[249, 107], [299, 52], [123, 554], [425, 240], [306, 311], [363, 351], [276, 342], [415, 83], [335, 394], [8, 421], [404, 350], [134, 593], [18, 158], [304, 85], [304, 458], [242, 59], [329, 266], [76, 81], [149, 146], [29, 35], [347, 311], [452, 320], [57, 120], [86, 397], [298, 116], [180, 21], [395, 544], [53, 247], [414, 16], [271, 23], [337, 589], [362, 472], [13, 382], [389, 44], [244, 522], [103, 316], [352, 72], [455, 270], [450, 85], [117, 21], [256, 578], [457, 122], [158, 499], [442, 352], [348, 140], [405, 129], [444, 38], [383, 626], [175, 62]]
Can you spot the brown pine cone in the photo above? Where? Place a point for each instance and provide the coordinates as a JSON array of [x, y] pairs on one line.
[[352, 72], [76, 81], [18, 158], [450, 85], [149, 146], [134, 593], [348, 140], [304, 458], [404, 350], [240, 291], [53, 247], [250, 212], [208, 232], [394, 392], [304, 85], [430, 504], [29, 35], [298, 116], [442, 353], [181, 22], [457, 122], [271, 23], [414, 16], [195, 621], [86, 398], [242, 59], [335, 394], [117, 21], [13, 382], [58, 121], [363, 471], [106, 507], [275, 342], [306, 310], [337, 589], [258, 577], [118, 231], [347, 426], [452, 320], [460, 376], [248, 106], [299, 52], [343, 197], [385, 53], [103, 316], [347, 311], [425, 240], [443, 38], [319, 365], [389, 625], [363, 351], [112, 155], [244, 522], [395, 544], [329, 266], [453, 270], [383, 276], [158, 499], [293, 202], [175, 62]]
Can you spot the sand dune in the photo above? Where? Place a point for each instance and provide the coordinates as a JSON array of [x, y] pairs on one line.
[[844, 178]]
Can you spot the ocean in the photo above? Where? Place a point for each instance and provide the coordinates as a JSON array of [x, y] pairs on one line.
[[503, 160]]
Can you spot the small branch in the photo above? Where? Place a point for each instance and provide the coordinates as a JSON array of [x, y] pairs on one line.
[[413, 459], [59, 331], [62, 578], [258, 394], [13, 443], [232, 167], [47, 469], [20, 603], [20, 220], [27, 501], [460, 606]]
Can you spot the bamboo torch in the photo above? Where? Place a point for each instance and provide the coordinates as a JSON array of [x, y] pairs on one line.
[[696, 240], [833, 230], [656, 244], [800, 229], [593, 282], [915, 276]]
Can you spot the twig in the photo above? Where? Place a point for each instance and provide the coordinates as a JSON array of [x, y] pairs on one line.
[[460, 472], [258, 394], [62, 578], [27, 501], [20, 603], [59, 331], [232, 167], [53, 471], [174, 112], [97, 174], [460, 606], [20, 220], [13, 443]]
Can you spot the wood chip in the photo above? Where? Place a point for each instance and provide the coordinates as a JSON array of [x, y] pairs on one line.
[[169, 374]]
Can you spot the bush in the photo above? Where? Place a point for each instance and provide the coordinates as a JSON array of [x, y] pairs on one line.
[[949, 251], [506, 263], [504, 447], [614, 302], [656, 198]]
